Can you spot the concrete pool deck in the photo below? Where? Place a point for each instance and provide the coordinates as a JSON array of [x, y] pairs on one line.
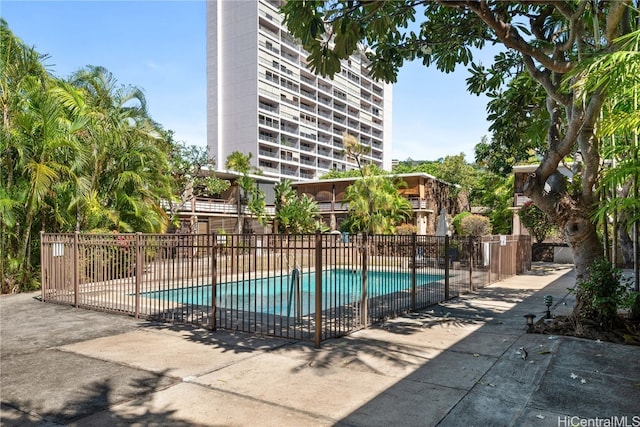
[[460, 363]]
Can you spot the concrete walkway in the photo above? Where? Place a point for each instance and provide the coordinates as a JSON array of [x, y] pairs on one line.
[[467, 362]]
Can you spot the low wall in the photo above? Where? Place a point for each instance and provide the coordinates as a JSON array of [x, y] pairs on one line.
[[559, 253]]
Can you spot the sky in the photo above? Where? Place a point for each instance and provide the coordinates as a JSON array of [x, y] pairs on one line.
[[160, 47]]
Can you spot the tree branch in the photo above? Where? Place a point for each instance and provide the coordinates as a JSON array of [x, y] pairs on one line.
[[589, 144], [616, 12], [510, 37], [544, 78], [575, 23]]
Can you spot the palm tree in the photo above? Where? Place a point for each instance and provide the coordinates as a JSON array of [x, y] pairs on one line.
[[20, 66], [375, 206], [251, 195], [43, 140], [80, 154], [125, 174]]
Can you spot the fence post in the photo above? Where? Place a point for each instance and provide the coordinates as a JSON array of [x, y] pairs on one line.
[[139, 268], [488, 256], [76, 278], [363, 301], [43, 279], [500, 269], [318, 302], [413, 272], [471, 250], [446, 267], [214, 281]]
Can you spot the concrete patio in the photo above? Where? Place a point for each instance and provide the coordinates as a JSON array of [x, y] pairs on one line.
[[466, 362]]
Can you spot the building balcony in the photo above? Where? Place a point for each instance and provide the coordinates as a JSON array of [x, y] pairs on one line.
[[268, 138], [324, 114], [418, 204], [307, 80], [289, 172], [267, 107], [269, 123], [307, 175], [268, 27], [201, 205], [288, 40], [332, 207], [307, 108], [325, 88], [309, 150], [267, 153], [520, 199], [289, 129], [308, 94]]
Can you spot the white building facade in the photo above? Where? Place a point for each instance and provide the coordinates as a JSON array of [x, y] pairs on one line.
[[262, 99]]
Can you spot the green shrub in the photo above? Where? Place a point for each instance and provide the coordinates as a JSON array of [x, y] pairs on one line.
[[475, 225], [457, 220], [536, 221], [603, 293], [632, 303], [406, 229]]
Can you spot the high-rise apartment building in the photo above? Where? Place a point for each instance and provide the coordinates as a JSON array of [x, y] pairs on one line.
[[262, 99]]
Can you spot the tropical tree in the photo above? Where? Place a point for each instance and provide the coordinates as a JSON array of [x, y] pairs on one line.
[[455, 170], [81, 154], [252, 197], [293, 214], [484, 188], [617, 74], [518, 134], [451, 169], [36, 146], [375, 205], [536, 221], [548, 40], [125, 173], [191, 174], [495, 192]]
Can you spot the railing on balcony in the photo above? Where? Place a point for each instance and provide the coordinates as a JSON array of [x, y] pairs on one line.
[[332, 207], [307, 108], [219, 206], [418, 203], [306, 175], [520, 200]]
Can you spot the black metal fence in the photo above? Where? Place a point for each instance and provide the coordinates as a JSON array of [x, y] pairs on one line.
[[307, 287]]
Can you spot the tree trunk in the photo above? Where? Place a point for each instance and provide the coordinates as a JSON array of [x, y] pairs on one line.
[[625, 245], [583, 238], [572, 215]]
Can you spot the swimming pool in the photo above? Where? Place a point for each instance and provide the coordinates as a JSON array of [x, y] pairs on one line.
[[294, 294]]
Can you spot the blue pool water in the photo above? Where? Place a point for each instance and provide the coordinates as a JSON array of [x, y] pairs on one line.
[[290, 295]]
